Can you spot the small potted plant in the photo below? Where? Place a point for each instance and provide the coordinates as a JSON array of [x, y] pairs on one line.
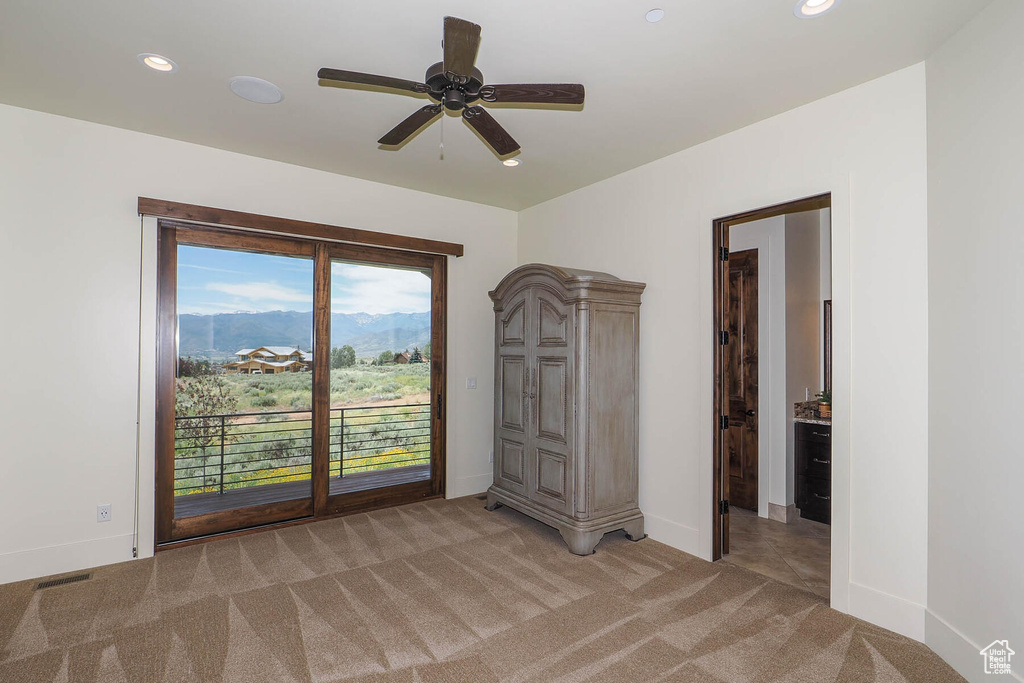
[[824, 403]]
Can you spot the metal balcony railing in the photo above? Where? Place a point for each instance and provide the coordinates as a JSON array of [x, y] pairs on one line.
[[218, 453]]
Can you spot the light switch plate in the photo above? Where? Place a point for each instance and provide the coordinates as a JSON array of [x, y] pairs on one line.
[[471, 382]]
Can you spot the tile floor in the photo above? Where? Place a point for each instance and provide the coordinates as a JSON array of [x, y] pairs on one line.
[[798, 554]]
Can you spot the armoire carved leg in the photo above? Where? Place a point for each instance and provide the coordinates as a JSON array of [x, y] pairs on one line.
[[581, 542], [635, 530], [492, 502]]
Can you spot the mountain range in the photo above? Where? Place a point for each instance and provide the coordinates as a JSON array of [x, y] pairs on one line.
[[219, 336]]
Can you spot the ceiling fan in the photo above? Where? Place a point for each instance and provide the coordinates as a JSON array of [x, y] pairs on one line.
[[455, 84]]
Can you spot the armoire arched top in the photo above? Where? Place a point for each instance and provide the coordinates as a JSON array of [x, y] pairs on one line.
[[571, 284]]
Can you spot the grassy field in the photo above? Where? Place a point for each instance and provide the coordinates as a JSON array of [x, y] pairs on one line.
[[358, 385]]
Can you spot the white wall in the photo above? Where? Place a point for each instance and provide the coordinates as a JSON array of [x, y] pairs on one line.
[[867, 146], [69, 270], [803, 276], [768, 237], [976, 323]]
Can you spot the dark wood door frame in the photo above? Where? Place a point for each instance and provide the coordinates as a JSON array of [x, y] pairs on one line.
[[720, 254], [170, 531]]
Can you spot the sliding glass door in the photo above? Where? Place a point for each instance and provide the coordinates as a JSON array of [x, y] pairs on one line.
[[297, 379]]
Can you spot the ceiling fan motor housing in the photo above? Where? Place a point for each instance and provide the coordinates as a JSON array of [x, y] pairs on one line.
[[455, 96]]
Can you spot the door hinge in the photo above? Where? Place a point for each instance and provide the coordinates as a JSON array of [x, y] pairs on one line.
[[723, 337], [724, 422], [723, 507], [723, 253]]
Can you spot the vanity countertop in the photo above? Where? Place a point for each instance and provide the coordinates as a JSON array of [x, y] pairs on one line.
[[813, 420]]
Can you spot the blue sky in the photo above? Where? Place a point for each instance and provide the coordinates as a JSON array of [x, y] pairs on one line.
[[221, 281]]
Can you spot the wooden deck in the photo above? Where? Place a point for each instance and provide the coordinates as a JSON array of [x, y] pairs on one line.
[[201, 503]]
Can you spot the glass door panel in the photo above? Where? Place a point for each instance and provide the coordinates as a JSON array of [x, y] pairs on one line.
[[243, 426], [380, 377]]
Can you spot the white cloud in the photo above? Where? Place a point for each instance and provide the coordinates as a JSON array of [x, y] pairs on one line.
[[261, 292], [376, 290], [208, 268]]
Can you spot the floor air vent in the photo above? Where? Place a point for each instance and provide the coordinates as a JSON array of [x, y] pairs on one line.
[[62, 581]]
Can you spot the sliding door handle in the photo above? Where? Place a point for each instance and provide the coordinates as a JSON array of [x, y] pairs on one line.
[[439, 406]]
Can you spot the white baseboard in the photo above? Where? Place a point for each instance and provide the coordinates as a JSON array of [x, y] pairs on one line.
[[888, 611], [672, 533], [68, 557], [468, 486], [786, 514], [959, 651]]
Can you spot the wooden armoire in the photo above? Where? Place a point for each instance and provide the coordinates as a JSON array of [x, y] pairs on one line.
[[566, 401]]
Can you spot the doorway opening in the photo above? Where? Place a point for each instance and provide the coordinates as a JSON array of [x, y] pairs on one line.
[[772, 396]]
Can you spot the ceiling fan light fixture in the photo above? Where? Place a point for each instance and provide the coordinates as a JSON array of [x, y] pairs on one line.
[[456, 85], [655, 15], [255, 90], [157, 62], [811, 9]]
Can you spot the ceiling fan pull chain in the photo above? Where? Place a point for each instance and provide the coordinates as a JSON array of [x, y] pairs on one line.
[[442, 138]]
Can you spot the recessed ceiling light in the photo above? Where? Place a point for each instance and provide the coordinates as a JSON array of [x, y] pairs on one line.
[[157, 62], [656, 15], [809, 9], [511, 162], [256, 90]]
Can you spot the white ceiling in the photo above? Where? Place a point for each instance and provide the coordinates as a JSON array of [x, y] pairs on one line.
[[711, 66]]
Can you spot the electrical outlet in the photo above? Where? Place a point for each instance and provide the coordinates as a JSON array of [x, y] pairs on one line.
[[103, 513], [471, 382], [490, 458]]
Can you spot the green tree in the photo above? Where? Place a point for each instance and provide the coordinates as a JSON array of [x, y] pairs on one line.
[[194, 368], [385, 357], [197, 398], [347, 355], [416, 356]]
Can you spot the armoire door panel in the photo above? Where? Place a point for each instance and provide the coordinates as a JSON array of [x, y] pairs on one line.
[[553, 405], [551, 478], [513, 325], [552, 323], [512, 464], [512, 380]]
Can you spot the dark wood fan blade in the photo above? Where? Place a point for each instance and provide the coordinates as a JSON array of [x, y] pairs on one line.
[[490, 130], [405, 129], [461, 41], [370, 79], [534, 93]]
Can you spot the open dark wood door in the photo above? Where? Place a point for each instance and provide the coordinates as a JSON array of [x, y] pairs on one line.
[[741, 358]]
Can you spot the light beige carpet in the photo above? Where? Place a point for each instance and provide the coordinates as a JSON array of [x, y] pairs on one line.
[[437, 592]]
